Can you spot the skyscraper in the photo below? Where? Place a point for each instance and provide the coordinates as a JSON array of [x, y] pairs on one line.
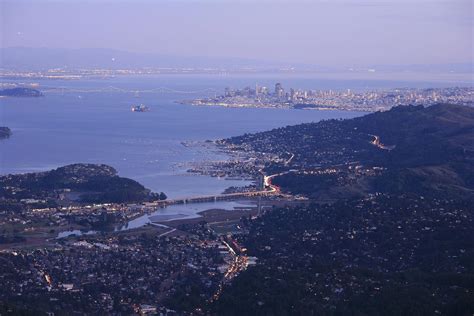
[[279, 92]]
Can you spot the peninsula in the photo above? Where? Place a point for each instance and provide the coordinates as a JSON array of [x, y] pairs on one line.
[[20, 92], [82, 196]]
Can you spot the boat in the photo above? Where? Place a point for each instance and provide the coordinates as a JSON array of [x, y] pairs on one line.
[[140, 108]]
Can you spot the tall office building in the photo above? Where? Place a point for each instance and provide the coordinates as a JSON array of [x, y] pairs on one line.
[[279, 92], [292, 94]]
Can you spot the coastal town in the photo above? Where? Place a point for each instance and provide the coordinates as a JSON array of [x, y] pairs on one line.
[[236, 158], [65, 253], [325, 198], [176, 271]]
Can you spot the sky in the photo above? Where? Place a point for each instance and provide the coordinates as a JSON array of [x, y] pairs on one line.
[[320, 32]]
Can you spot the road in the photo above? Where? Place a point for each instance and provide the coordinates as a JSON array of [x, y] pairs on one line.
[[272, 189], [166, 233], [238, 264], [376, 142], [289, 160]]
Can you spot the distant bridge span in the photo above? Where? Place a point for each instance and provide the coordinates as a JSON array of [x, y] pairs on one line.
[[212, 198], [270, 189]]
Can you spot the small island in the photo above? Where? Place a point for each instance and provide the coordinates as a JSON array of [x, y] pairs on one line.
[[21, 92], [5, 132]]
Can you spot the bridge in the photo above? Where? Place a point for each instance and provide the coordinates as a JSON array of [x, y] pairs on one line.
[[112, 89], [212, 198], [268, 189]]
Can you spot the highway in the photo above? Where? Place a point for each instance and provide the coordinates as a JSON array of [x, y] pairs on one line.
[[272, 190]]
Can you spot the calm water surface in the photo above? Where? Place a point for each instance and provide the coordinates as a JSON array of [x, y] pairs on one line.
[[90, 121], [76, 125]]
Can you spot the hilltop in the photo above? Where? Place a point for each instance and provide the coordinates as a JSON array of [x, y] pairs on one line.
[[76, 183], [407, 149], [395, 237]]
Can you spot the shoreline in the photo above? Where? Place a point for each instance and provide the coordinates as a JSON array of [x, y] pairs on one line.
[[213, 215], [270, 106]]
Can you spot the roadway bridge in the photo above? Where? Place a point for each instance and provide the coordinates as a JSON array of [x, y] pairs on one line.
[[268, 189], [212, 198]]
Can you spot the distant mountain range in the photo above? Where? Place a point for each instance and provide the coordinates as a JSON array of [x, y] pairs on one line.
[[23, 58], [35, 59]]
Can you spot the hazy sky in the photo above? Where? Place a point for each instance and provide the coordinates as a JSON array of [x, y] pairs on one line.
[[332, 32]]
